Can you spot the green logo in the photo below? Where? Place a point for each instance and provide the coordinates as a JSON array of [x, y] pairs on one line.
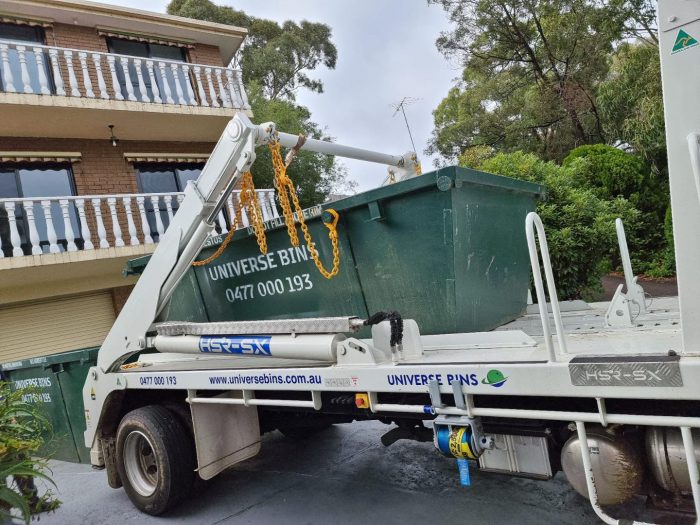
[[683, 41], [494, 378]]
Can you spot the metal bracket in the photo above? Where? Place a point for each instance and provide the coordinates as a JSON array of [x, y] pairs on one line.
[[619, 312]]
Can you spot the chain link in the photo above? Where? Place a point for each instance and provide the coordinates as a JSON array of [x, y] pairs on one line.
[[285, 190], [250, 201]]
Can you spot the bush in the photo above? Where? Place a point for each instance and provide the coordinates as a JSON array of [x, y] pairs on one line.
[[21, 429], [613, 173], [580, 225]]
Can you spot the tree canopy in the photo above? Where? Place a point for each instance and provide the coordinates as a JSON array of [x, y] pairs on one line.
[[277, 61], [530, 71], [278, 57]]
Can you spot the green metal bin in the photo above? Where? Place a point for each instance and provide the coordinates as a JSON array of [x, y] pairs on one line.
[[447, 249], [57, 384]]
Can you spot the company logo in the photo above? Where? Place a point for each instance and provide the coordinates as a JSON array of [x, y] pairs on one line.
[[235, 345], [494, 378], [683, 41]]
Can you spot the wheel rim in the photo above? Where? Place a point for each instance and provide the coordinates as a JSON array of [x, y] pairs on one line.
[[140, 463]]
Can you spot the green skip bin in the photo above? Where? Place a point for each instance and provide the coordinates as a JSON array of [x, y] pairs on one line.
[[447, 249]]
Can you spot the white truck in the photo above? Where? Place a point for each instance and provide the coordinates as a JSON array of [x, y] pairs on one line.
[[623, 379]]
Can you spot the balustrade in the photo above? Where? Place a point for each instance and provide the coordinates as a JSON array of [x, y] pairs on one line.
[[48, 70], [34, 226]]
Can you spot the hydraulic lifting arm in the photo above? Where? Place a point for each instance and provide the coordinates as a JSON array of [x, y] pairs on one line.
[[233, 155]]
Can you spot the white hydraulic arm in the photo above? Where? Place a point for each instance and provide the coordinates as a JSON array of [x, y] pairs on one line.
[[233, 155]]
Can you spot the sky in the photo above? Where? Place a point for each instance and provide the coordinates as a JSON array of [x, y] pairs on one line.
[[386, 51]]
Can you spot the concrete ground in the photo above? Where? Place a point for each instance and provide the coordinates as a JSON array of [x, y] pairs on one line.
[[343, 475]]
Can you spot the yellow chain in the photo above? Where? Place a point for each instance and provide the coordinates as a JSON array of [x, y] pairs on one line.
[[252, 206], [285, 190]]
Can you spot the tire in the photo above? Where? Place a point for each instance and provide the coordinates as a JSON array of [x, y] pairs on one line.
[[155, 459]]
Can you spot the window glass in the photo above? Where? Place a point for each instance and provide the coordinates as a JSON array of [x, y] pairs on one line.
[[166, 52], [20, 33], [164, 178], [45, 182], [161, 76], [23, 35], [8, 184], [187, 174], [128, 47], [157, 180], [33, 181]]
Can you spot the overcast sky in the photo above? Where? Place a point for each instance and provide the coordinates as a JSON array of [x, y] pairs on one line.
[[386, 51]]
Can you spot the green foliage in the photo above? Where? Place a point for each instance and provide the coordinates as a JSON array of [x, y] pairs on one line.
[[530, 72], [579, 224], [278, 57], [21, 429], [631, 103], [315, 175], [610, 171], [276, 61]]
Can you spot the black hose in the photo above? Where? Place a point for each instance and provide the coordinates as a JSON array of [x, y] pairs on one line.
[[395, 322]]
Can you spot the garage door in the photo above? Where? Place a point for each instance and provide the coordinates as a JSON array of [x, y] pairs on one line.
[[54, 326]]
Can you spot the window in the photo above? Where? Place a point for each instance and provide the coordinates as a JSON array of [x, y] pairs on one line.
[[164, 178], [149, 51], [37, 180], [23, 35]]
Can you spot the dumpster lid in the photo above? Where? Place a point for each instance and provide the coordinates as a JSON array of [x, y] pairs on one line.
[[85, 355]]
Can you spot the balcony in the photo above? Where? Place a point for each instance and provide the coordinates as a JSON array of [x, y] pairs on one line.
[[82, 243], [56, 92]]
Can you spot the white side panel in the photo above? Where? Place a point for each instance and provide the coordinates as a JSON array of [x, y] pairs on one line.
[[224, 435], [681, 85]]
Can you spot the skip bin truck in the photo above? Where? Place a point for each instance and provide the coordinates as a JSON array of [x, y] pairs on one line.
[[610, 394]]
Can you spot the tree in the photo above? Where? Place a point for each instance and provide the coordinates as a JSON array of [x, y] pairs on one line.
[[631, 103], [530, 72], [579, 223], [276, 61], [278, 57]]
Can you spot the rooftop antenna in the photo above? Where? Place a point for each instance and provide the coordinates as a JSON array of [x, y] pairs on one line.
[[406, 101]]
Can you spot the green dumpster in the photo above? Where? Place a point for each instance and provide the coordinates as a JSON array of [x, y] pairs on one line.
[[57, 384], [447, 249]]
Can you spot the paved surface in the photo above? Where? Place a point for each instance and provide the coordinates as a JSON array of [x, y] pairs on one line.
[[340, 476]]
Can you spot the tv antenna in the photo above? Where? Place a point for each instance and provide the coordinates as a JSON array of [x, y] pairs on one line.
[[406, 101]]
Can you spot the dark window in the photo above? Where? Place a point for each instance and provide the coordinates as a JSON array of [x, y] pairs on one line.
[[149, 51], [24, 35], [164, 178], [37, 180]]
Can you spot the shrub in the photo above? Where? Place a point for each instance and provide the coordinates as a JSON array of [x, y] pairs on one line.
[[21, 429], [613, 173], [580, 225]]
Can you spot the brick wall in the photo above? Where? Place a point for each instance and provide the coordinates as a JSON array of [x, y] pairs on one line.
[[76, 37], [205, 54], [103, 169], [119, 297]]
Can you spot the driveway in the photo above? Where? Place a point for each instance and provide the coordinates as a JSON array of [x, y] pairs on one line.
[[343, 475]]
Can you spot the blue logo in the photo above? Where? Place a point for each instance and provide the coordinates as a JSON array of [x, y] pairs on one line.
[[229, 344]]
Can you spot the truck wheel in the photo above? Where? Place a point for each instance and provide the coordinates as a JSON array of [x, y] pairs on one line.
[[155, 458]]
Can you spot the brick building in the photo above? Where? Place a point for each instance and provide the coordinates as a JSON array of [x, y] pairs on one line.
[[106, 113]]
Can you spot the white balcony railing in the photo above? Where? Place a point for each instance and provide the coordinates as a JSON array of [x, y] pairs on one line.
[[34, 226], [48, 70]]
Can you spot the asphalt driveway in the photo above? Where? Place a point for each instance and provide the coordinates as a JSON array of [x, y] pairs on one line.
[[343, 475]]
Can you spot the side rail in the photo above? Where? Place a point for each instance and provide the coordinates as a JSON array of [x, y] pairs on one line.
[[535, 231]]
